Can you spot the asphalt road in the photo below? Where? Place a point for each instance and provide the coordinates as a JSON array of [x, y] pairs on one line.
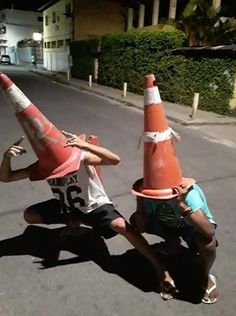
[[79, 284]]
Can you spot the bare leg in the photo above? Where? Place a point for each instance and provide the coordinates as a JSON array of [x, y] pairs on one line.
[[207, 255], [31, 216], [139, 242], [172, 244]]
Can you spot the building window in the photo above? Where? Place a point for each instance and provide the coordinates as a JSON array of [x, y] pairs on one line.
[[54, 44], [2, 17], [40, 19], [45, 45], [3, 30], [54, 18], [67, 42], [60, 43], [68, 10], [46, 20], [48, 45]]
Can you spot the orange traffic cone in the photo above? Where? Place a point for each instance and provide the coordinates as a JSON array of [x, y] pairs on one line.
[[162, 171], [54, 160]]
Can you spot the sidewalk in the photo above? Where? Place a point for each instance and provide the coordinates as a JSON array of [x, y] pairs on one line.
[[174, 112]]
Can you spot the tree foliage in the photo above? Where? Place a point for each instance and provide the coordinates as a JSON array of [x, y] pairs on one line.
[[204, 25]]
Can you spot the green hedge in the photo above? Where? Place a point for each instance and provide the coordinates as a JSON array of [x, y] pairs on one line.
[[179, 77], [128, 57], [214, 79], [83, 53]]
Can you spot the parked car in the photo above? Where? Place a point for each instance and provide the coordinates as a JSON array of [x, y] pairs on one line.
[[5, 59]]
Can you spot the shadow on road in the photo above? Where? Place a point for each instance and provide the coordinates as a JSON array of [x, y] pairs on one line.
[[47, 243]]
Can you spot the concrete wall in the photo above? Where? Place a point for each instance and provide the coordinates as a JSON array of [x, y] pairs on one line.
[[232, 102], [62, 28], [56, 61], [24, 55], [21, 17], [98, 17], [19, 25]]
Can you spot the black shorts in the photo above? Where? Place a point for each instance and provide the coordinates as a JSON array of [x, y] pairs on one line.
[[99, 219]]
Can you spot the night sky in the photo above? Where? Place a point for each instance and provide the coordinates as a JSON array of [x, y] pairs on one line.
[[34, 5], [30, 5]]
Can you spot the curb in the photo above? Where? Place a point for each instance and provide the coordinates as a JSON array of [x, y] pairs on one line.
[[54, 77], [205, 123], [171, 118]]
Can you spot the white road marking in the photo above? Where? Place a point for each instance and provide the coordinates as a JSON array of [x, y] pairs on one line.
[[221, 141]]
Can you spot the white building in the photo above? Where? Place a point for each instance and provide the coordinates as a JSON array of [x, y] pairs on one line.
[[57, 34], [17, 25]]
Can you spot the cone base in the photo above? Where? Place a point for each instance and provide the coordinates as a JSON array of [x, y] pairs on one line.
[[162, 194]]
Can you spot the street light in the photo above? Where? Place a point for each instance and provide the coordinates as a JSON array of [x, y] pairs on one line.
[[37, 38]]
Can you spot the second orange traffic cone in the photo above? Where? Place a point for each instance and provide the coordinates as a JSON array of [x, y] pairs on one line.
[[161, 171], [54, 160]]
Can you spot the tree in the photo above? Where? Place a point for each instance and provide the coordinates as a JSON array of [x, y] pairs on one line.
[[204, 25]]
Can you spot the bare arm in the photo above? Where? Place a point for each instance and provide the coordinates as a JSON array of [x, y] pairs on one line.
[[198, 218], [202, 224], [6, 172], [95, 155]]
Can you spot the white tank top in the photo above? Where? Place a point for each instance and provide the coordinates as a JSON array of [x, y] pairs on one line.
[[82, 189]]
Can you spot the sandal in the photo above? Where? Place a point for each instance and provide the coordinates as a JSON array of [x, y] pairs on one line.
[[168, 290], [207, 299]]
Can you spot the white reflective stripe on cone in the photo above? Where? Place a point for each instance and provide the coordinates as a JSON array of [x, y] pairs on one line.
[[16, 99], [151, 96], [157, 137]]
